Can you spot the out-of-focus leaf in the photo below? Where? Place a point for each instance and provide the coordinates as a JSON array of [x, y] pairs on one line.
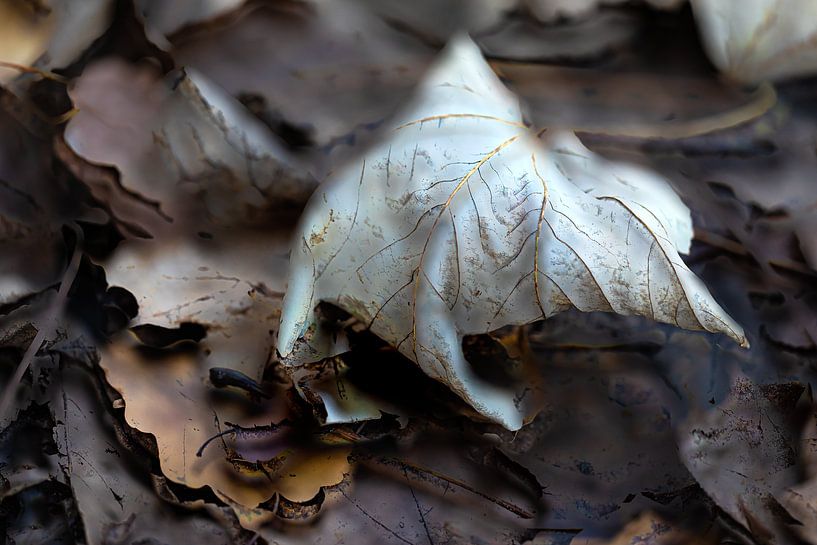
[[273, 55], [49, 34], [648, 529], [757, 40], [553, 10], [24, 35], [801, 500], [186, 151], [524, 40], [462, 221], [32, 208], [437, 22], [164, 18]]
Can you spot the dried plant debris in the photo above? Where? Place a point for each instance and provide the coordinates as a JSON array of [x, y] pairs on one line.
[[476, 220], [184, 361], [801, 500]]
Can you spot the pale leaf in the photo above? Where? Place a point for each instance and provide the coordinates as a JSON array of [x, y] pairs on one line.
[[462, 221]]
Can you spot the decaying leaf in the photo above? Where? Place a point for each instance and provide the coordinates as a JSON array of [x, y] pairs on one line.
[[756, 40], [186, 151], [744, 454], [230, 289], [462, 221]]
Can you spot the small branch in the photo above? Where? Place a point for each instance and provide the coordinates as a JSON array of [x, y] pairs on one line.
[[47, 326], [33, 70]]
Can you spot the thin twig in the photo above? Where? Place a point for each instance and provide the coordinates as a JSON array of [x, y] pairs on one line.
[[33, 70], [47, 326], [418, 471]]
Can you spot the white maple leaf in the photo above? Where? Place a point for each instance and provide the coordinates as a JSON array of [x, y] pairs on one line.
[[463, 221]]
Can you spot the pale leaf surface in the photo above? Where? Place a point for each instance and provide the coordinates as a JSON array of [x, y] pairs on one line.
[[462, 221]]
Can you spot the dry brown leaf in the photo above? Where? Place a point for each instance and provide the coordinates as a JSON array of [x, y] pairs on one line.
[[186, 151], [232, 288], [115, 505], [744, 453]]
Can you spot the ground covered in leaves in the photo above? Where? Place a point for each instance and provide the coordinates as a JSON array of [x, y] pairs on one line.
[[152, 170]]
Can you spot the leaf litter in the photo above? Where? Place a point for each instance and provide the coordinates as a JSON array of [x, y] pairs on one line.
[[625, 416]]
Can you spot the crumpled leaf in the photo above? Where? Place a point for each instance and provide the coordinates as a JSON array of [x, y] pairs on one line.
[[758, 40], [231, 288], [744, 453], [463, 221], [26, 458], [185, 150]]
